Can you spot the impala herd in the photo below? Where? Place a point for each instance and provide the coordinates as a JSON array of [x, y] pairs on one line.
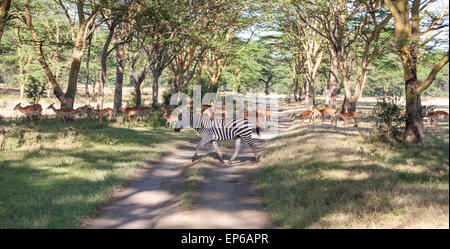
[[314, 112], [67, 114]]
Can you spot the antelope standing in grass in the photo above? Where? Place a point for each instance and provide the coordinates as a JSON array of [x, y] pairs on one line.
[[325, 111], [104, 112], [306, 114], [145, 111], [348, 116], [64, 113], [30, 110], [167, 115], [331, 112], [434, 116], [135, 111]]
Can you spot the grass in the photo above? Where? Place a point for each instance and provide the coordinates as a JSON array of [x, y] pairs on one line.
[[194, 178], [326, 177], [55, 174]]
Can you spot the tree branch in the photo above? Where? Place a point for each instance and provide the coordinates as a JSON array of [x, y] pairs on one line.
[[427, 82]]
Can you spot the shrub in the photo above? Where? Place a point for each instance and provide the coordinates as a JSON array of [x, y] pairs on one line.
[[34, 90], [166, 97], [388, 120]]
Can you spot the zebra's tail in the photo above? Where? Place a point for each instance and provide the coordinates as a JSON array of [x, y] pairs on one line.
[[258, 130]]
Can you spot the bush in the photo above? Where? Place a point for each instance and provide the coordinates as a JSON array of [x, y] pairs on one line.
[[34, 90], [133, 99], [388, 119], [166, 97]]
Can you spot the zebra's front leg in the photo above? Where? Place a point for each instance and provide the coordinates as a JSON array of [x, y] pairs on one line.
[[216, 147], [237, 147], [199, 145], [252, 145]]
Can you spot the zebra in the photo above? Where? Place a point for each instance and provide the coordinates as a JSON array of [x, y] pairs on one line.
[[218, 129]]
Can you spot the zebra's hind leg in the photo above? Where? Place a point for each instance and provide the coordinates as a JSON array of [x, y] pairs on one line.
[[199, 145], [216, 147], [237, 147]]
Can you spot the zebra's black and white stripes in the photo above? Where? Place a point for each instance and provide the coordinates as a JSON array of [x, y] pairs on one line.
[[213, 130]]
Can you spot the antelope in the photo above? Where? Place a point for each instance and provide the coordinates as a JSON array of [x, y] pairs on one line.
[[132, 111], [329, 111], [316, 111], [325, 111], [166, 109], [103, 112], [306, 114], [434, 116], [347, 116], [64, 113], [29, 110], [169, 118], [144, 111], [265, 113], [87, 110]]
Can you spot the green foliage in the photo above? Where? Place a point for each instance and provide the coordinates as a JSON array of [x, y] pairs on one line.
[[388, 119], [166, 97], [34, 89], [259, 67]]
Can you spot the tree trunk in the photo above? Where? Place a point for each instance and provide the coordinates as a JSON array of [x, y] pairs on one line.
[[104, 60], [22, 90], [93, 95], [349, 105], [267, 85], [86, 84], [136, 81], [155, 89], [138, 96], [309, 97], [414, 123], [199, 72], [303, 91], [4, 9], [121, 56], [295, 89], [332, 81], [69, 97]]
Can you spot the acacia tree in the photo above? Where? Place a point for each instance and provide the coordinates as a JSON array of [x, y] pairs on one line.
[[114, 16], [80, 29], [139, 65], [121, 47], [156, 32], [224, 45], [415, 28], [306, 48], [344, 24]]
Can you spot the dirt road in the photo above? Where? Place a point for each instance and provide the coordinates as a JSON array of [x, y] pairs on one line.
[[228, 198]]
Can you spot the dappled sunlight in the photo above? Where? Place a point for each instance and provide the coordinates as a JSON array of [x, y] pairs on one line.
[[54, 173], [326, 177]]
